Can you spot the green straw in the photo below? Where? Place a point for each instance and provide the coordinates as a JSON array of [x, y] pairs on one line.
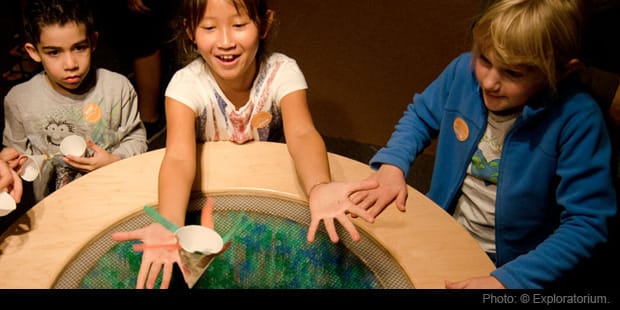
[[150, 211], [237, 227]]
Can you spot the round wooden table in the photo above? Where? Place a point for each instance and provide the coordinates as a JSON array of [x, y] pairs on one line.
[[429, 245]]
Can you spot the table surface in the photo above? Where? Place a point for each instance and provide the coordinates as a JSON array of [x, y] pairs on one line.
[[429, 245]]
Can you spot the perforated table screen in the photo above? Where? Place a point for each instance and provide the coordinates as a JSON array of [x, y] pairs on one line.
[[269, 251]]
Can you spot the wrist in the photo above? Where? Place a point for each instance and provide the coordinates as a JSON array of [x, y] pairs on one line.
[[313, 187]]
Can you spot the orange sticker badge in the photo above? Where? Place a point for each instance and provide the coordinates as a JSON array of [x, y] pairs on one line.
[[461, 130], [261, 120], [91, 113]]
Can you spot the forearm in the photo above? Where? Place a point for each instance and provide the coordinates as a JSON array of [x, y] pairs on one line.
[[174, 188], [409, 139], [310, 158]]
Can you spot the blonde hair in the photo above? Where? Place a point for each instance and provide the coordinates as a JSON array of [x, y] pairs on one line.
[[541, 34]]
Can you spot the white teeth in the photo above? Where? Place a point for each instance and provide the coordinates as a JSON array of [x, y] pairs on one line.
[[227, 57]]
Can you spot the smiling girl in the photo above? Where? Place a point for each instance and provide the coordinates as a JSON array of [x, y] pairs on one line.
[[234, 90]]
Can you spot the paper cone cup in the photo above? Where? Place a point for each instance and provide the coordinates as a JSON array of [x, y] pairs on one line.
[[33, 167], [199, 246]]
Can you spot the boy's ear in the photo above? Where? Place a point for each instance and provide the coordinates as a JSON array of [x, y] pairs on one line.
[[268, 23], [94, 39], [571, 66], [32, 52]]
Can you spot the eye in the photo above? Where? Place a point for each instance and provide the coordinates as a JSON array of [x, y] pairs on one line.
[[484, 60], [239, 25], [81, 48], [513, 73], [207, 25]]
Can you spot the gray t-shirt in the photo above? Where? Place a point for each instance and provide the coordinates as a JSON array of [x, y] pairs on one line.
[[475, 209], [37, 118]]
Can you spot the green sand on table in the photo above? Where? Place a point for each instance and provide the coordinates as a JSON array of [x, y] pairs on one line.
[[267, 252]]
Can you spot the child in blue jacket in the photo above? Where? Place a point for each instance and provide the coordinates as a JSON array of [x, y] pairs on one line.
[[523, 154]]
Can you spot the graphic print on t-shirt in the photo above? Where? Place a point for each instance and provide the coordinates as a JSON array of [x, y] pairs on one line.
[[484, 169]]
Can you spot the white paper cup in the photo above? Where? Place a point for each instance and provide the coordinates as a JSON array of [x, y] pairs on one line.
[[32, 167], [7, 203], [73, 145], [199, 246], [197, 238]]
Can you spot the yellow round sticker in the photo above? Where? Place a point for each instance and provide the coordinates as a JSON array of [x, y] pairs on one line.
[[91, 112], [461, 130], [261, 119]]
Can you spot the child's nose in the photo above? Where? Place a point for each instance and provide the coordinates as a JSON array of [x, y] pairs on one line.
[[225, 39], [70, 62], [491, 80]]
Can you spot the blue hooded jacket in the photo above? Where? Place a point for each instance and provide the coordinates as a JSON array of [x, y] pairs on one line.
[[554, 192]]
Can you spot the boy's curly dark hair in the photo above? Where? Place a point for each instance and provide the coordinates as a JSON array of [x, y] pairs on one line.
[[41, 13]]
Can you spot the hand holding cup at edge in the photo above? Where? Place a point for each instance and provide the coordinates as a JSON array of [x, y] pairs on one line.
[[10, 189]]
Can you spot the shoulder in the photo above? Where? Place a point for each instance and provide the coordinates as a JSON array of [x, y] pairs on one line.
[[190, 71], [574, 111], [107, 75], [462, 62], [196, 67], [280, 58], [278, 64], [111, 78], [459, 74], [28, 88], [579, 102]]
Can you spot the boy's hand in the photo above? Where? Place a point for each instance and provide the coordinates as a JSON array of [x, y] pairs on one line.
[[10, 182], [330, 201], [488, 282], [13, 158], [392, 187], [99, 159]]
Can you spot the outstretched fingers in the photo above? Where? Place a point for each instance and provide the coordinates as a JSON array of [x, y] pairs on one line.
[[314, 226], [167, 276], [350, 227], [331, 230], [120, 236], [152, 275], [206, 216], [145, 266], [401, 199], [363, 186], [356, 211]]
